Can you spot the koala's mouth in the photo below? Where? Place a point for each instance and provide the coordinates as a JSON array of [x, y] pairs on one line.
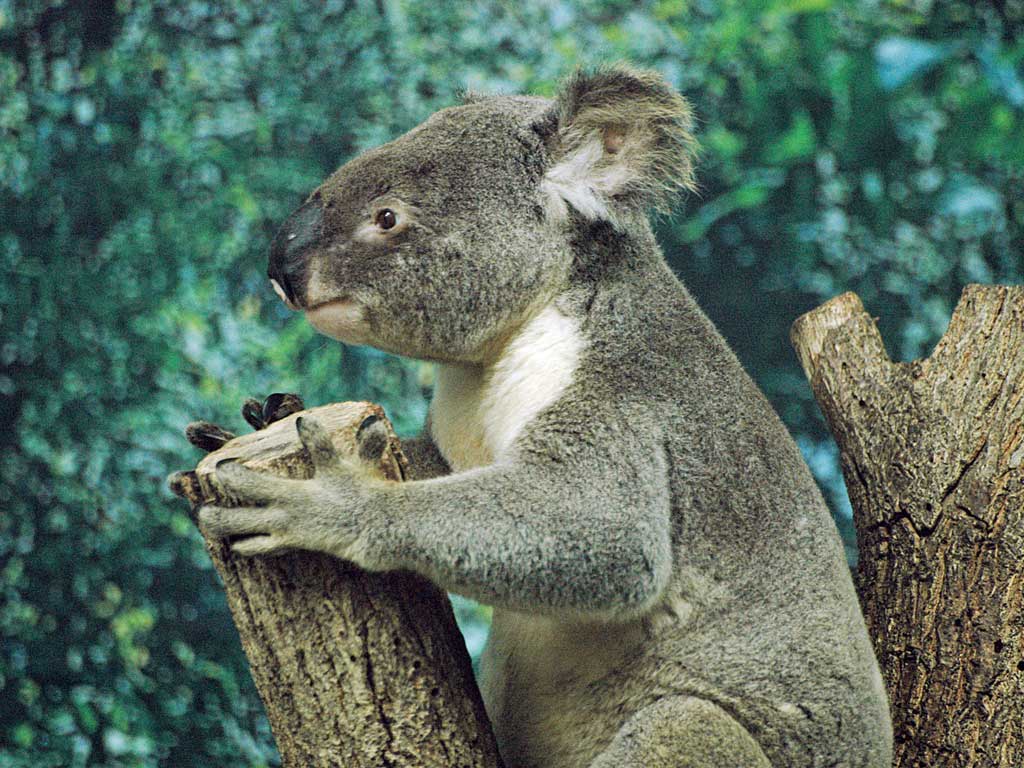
[[294, 304], [342, 319]]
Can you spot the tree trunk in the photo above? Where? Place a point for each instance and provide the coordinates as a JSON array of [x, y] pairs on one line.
[[355, 669], [933, 456]]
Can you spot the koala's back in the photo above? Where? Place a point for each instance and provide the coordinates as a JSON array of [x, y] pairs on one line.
[[760, 616]]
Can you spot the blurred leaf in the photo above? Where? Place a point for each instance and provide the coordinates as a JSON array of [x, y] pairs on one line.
[[1001, 74], [797, 143], [900, 59]]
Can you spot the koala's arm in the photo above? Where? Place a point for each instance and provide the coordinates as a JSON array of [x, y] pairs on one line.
[[585, 528], [577, 524]]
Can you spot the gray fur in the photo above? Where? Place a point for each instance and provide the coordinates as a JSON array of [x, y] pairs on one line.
[[669, 587]]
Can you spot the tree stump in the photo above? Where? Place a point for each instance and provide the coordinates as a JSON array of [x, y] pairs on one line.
[[355, 669], [932, 453]]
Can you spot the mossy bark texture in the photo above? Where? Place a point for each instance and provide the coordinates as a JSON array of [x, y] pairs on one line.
[[933, 456], [355, 669]]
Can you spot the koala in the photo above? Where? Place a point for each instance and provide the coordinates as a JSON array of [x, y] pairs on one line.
[[668, 585]]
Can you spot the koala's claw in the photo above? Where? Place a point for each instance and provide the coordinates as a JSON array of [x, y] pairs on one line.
[[252, 412], [207, 436], [278, 405], [281, 404], [373, 418]]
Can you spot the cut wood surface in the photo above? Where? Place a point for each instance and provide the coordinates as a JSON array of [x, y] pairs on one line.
[[355, 669], [933, 456]]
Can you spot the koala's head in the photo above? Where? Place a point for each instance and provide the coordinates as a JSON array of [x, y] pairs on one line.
[[436, 245]]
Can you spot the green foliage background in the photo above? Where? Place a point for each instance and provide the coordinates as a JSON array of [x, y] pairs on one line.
[[148, 149]]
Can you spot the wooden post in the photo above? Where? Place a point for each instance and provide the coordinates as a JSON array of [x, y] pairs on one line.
[[355, 669], [933, 456]]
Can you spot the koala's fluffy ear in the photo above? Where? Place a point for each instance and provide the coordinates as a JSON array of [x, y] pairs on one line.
[[617, 136]]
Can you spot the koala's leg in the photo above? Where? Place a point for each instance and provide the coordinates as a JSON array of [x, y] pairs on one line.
[[682, 732]]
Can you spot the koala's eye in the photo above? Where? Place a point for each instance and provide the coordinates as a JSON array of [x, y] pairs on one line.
[[386, 218]]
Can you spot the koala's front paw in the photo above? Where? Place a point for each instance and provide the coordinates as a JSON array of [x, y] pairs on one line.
[[271, 514], [209, 437]]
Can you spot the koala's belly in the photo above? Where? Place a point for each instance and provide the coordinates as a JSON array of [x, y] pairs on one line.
[[543, 681]]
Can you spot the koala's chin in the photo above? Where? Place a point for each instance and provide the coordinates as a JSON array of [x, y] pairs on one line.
[[340, 319]]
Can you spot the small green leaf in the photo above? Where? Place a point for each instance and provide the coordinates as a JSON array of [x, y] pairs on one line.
[[797, 143]]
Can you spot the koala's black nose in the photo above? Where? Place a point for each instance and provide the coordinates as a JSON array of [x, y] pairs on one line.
[[289, 252]]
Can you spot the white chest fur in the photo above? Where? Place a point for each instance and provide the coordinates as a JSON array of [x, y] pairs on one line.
[[477, 412]]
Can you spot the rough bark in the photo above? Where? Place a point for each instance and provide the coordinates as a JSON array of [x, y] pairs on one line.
[[355, 669], [933, 456]]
